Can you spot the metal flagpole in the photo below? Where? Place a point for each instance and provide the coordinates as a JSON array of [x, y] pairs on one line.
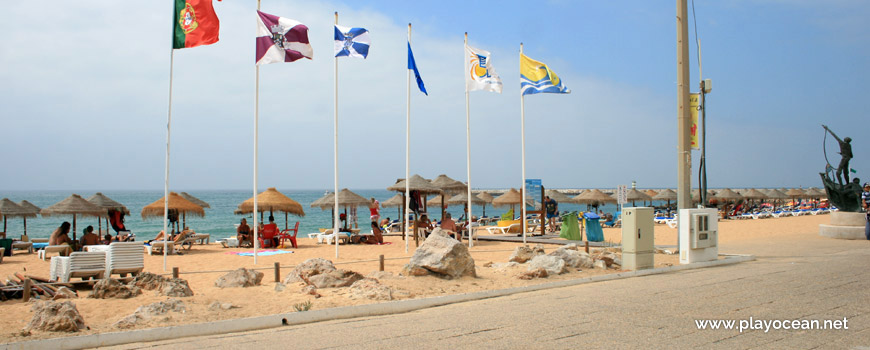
[[256, 146], [335, 151], [468, 155], [166, 179], [523, 143], [408, 152]]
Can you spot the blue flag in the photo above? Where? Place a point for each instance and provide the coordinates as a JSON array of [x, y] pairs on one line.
[[413, 66]]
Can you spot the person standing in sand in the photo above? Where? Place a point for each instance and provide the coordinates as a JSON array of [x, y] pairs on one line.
[[552, 208], [865, 202], [375, 209]]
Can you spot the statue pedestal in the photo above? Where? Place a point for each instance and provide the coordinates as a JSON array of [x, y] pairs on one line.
[[844, 225]]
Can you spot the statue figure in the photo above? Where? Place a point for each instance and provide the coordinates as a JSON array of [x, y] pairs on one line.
[[846, 153]]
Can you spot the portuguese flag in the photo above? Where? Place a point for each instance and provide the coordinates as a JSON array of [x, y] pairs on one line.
[[195, 24]]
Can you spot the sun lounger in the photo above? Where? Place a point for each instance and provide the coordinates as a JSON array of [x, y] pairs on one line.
[[2, 251], [84, 265], [53, 249], [160, 245], [202, 238], [327, 236], [28, 246], [501, 229], [124, 257]]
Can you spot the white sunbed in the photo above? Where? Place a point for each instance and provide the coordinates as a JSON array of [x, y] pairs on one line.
[[124, 257], [52, 249], [501, 229], [82, 264]]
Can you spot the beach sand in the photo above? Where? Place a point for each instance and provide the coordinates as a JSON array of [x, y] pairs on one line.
[[195, 266]]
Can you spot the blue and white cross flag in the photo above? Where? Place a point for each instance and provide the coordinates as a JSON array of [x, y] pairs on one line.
[[353, 42]]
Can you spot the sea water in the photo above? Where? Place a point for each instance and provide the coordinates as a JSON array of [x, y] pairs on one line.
[[219, 220]]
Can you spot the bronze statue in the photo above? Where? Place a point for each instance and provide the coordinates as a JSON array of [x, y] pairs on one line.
[[844, 195], [846, 153]]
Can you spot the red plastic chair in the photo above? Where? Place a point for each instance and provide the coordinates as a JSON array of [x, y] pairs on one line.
[[269, 233], [285, 235]]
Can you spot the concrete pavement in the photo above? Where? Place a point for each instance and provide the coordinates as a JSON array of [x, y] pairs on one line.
[[808, 278]]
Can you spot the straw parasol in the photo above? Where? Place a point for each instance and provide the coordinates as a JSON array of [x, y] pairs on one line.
[[108, 204], [417, 183], [634, 195], [73, 205], [594, 198], [320, 202], [795, 193], [9, 208], [754, 194], [195, 200], [437, 200], [31, 209], [813, 192], [651, 193], [728, 195], [177, 203], [448, 186], [273, 201], [395, 201], [511, 197], [346, 199], [558, 196], [487, 198], [462, 198], [666, 195]]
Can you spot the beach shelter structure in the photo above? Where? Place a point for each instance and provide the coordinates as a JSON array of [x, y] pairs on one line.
[[594, 198], [198, 201], [414, 183], [106, 203], [487, 198], [271, 200], [558, 196], [177, 203], [346, 199], [634, 195], [30, 208], [448, 187], [775, 195], [512, 197], [667, 195], [795, 194], [75, 205], [9, 208], [462, 199], [651, 193], [728, 195], [394, 201]]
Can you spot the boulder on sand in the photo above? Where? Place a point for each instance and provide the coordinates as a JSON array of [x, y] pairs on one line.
[[441, 256]]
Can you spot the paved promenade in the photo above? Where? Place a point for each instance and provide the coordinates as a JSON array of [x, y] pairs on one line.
[[809, 278]]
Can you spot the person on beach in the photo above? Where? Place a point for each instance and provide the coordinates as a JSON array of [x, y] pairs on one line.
[[552, 209], [377, 236], [375, 209], [89, 237], [865, 202], [271, 230], [243, 233], [424, 224], [60, 236], [448, 225], [107, 239]]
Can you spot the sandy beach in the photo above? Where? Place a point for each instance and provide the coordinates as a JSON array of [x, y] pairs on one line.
[[203, 264]]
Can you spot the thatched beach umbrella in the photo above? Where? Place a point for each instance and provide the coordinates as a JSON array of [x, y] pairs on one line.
[[394, 201], [487, 198], [511, 197], [195, 200], [449, 187], [438, 200], [9, 208], [795, 194], [558, 196], [652, 194], [32, 209], [634, 195], [667, 195], [594, 198], [753, 194], [271, 200], [728, 195], [462, 199], [106, 203], [177, 203], [419, 184], [775, 195], [74, 205]]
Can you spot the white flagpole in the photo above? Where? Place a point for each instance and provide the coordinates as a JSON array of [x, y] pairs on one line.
[[335, 152], [523, 142], [166, 179], [256, 147], [468, 153], [408, 152]]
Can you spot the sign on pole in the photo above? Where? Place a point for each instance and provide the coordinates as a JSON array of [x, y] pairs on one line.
[[533, 190], [621, 194]]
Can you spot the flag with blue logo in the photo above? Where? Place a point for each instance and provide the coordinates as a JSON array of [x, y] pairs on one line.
[[352, 42], [536, 77], [412, 65]]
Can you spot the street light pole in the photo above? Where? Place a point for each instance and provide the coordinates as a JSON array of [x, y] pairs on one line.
[[684, 120]]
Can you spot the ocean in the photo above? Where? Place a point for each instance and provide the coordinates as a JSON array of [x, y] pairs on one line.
[[219, 220]]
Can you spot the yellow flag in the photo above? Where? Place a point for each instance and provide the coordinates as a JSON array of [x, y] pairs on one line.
[[693, 106]]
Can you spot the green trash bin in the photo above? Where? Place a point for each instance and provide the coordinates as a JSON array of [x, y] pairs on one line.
[[6, 243], [571, 227]]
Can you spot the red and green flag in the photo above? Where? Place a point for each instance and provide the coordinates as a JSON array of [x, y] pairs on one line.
[[195, 24]]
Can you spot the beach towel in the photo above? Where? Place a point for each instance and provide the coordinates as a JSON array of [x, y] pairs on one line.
[[262, 252]]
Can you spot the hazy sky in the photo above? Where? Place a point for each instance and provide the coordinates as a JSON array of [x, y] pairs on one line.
[[84, 94]]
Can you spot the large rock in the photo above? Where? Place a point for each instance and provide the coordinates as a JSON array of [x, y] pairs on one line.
[[442, 256], [536, 273], [52, 316], [145, 313], [112, 288], [65, 293], [309, 268], [239, 278], [573, 258], [370, 289], [334, 279], [553, 265], [525, 253], [171, 287]]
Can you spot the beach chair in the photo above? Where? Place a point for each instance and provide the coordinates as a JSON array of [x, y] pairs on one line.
[[269, 232], [60, 249], [290, 234], [84, 265], [502, 229], [19, 245], [158, 246], [123, 258], [326, 235]]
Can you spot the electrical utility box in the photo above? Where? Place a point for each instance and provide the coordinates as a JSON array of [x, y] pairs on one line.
[[638, 239], [699, 235]]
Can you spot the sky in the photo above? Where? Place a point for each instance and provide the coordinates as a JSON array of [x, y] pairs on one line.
[[84, 95]]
